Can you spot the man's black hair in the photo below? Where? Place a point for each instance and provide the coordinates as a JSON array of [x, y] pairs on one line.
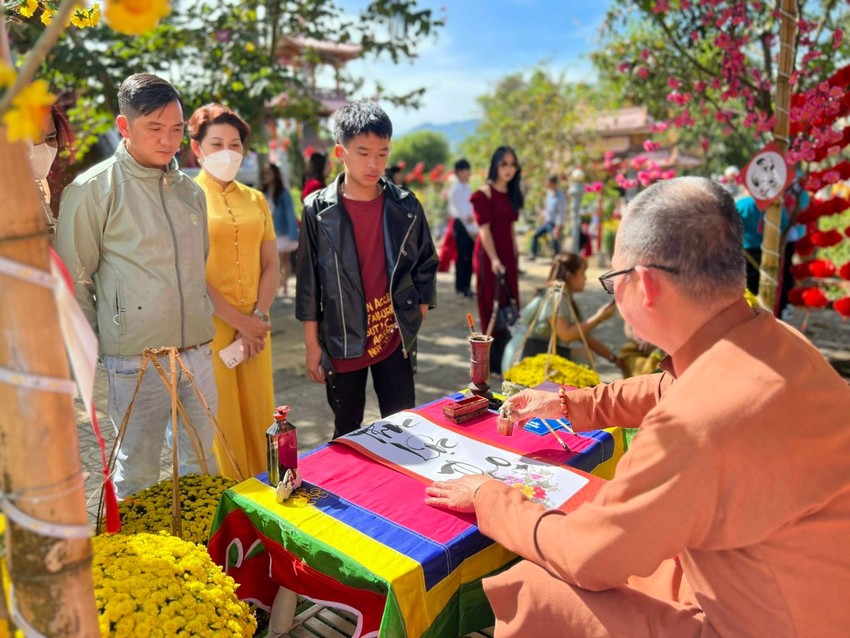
[[552, 179], [144, 93], [462, 165], [361, 118]]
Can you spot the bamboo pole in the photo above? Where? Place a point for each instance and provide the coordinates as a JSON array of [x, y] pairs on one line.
[[39, 455], [40, 466], [772, 239]]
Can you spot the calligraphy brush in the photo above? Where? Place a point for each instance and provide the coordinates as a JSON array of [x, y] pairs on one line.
[[471, 323], [555, 434]]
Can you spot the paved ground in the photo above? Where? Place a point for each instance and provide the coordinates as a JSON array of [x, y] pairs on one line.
[[443, 362]]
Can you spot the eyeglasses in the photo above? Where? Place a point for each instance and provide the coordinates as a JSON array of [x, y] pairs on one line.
[[607, 280]]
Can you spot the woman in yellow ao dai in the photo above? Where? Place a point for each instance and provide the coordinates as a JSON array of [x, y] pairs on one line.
[[242, 277]]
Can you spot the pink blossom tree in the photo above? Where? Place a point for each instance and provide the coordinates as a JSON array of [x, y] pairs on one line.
[[735, 75]]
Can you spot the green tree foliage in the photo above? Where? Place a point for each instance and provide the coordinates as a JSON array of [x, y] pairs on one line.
[[539, 115], [428, 147], [718, 58], [229, 51]]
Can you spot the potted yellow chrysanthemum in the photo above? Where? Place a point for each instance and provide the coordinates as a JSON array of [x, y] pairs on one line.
[[150, 510], [156, 584]]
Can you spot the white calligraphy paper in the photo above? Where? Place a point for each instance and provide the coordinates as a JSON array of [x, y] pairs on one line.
[[435, 453]]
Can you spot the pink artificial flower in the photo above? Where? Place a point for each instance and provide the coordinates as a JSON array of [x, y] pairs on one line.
[[642, 72], [649, 146]]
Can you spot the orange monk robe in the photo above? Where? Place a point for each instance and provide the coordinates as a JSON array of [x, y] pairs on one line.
[[740, 472]]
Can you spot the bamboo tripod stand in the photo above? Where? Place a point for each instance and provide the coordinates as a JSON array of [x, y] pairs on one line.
[[555, 292], [151, 355]]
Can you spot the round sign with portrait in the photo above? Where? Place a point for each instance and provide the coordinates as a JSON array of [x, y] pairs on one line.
[[767, 175]]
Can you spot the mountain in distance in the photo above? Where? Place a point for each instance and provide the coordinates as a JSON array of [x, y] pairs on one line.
[[455, 132]]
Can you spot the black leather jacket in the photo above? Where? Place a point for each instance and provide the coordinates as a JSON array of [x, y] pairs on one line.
[[329, 287]]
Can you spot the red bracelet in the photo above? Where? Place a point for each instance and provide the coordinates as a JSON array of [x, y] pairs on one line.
[[562, 396]]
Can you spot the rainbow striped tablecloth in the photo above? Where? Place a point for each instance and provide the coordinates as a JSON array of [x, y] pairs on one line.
[[357, 535]]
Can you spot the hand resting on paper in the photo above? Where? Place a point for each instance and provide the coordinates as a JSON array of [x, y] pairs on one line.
[[526, 405], [457, 494]]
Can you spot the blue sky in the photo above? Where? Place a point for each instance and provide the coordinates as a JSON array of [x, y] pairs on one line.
[[481, 43]]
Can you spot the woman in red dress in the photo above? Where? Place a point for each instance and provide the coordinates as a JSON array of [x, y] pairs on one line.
[[497, 205], [315, 174]]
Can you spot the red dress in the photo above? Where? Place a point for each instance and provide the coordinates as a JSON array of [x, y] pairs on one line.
[[496, 211], [310, 186]]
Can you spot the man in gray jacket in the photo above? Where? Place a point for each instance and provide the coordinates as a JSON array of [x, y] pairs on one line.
[[133, 234]]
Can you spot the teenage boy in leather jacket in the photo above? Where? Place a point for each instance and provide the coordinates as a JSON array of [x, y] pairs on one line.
[[366, 275]]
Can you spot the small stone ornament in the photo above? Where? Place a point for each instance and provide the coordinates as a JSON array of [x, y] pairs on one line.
[[291, 482]]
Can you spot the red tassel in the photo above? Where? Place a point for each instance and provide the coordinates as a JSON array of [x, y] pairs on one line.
[[110, 499]]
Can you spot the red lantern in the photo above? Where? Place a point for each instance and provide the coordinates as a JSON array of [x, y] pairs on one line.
[[844, 271], [795, 296], [815, 298], [800, 271], [804, 246], [847, 231], [842, 306], [826, 238], [821, 268]]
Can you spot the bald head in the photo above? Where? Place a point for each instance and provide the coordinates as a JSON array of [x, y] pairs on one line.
[[690, 224]]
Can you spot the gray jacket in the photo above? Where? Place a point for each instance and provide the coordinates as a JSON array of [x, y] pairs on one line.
[[135, 242]]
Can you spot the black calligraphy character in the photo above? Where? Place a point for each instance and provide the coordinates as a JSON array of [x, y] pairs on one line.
[[460, 467]]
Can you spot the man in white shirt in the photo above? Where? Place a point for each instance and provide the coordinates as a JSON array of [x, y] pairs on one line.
[[464, 227], [553, 217]]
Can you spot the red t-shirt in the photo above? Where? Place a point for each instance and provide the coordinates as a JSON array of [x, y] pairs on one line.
[[382, 336]]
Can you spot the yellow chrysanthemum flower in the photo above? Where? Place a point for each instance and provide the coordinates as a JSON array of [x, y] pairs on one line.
[[250, 47], [7, 75], [27, 8], [531, 371], [29, 110], [134, 17]]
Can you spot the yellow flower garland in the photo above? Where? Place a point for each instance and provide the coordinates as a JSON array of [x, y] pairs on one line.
[[158, 585], [150, 509], [530, 372]]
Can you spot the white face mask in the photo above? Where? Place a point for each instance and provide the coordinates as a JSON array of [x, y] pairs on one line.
[[222, 165], [42, 159]]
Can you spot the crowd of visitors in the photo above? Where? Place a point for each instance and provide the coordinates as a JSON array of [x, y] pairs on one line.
[[159, 260]]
